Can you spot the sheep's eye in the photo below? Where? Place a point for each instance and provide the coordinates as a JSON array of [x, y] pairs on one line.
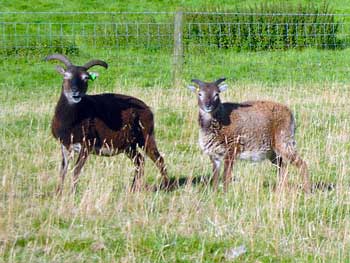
[[68, 75], [85, 77], [200, 94]]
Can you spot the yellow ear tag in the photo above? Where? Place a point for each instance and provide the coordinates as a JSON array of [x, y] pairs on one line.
[[197, 89]]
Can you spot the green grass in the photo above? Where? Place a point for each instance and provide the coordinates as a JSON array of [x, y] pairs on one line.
[[146, 69], [104, 222], [340, 6]]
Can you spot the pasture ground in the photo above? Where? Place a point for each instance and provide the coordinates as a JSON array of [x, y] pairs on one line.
[[104, 222]]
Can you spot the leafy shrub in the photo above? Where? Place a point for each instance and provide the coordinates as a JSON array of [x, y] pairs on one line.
[[38, 47], [264, 27]]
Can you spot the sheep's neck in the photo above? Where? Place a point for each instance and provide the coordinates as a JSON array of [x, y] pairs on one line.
[[65, 111], [210, 121]]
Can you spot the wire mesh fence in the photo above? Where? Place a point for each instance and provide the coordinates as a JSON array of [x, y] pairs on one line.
[[18, 35], [75, 30], [149, 30], [141, 39]]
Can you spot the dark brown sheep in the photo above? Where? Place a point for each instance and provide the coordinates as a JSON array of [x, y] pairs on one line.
[[104, 124], [252, 130]]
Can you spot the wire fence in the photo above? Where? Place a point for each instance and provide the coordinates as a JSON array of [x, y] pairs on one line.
[[18, 35], [179, 36], [20, 31], [23, 31]]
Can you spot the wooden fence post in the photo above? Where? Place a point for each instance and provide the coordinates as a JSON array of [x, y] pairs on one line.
[[178, 55]]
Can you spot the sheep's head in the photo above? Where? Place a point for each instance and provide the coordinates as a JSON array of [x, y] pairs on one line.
[[208, 94], [75, 78]]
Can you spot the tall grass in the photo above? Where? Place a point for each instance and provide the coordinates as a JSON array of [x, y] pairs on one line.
[[105, 222]]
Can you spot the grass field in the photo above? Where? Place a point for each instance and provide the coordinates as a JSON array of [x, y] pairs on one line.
[[339, 6], [104, 222]]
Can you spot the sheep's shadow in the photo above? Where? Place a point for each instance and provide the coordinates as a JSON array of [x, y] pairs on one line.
[[206, 181], [323, 186], [181, 182], [315, 186]]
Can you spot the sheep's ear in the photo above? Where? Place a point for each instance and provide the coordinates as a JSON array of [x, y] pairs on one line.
[[193, 88], [223, 87], [60, 70]]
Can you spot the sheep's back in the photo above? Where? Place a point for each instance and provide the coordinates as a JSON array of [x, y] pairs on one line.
[[247, 129]]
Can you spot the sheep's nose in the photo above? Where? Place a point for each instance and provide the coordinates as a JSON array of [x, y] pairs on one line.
[[208, 108]]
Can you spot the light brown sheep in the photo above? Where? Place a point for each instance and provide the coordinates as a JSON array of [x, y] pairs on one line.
[[252, 130]]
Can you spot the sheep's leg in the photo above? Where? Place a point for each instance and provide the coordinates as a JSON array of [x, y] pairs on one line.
[[302, 166], [216, 171], [82, 157], [288, 153], [139, 163], [228, 163], [64, 168], [153, 153]]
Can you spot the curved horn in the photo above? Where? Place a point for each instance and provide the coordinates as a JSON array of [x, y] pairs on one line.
[[95, 62], [219, 81], [197, 81], [61, 58]]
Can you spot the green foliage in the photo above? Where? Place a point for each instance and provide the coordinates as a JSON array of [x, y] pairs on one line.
[[64, 33], [264, 27], [259, 27], [36, 48], [176, 248]]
